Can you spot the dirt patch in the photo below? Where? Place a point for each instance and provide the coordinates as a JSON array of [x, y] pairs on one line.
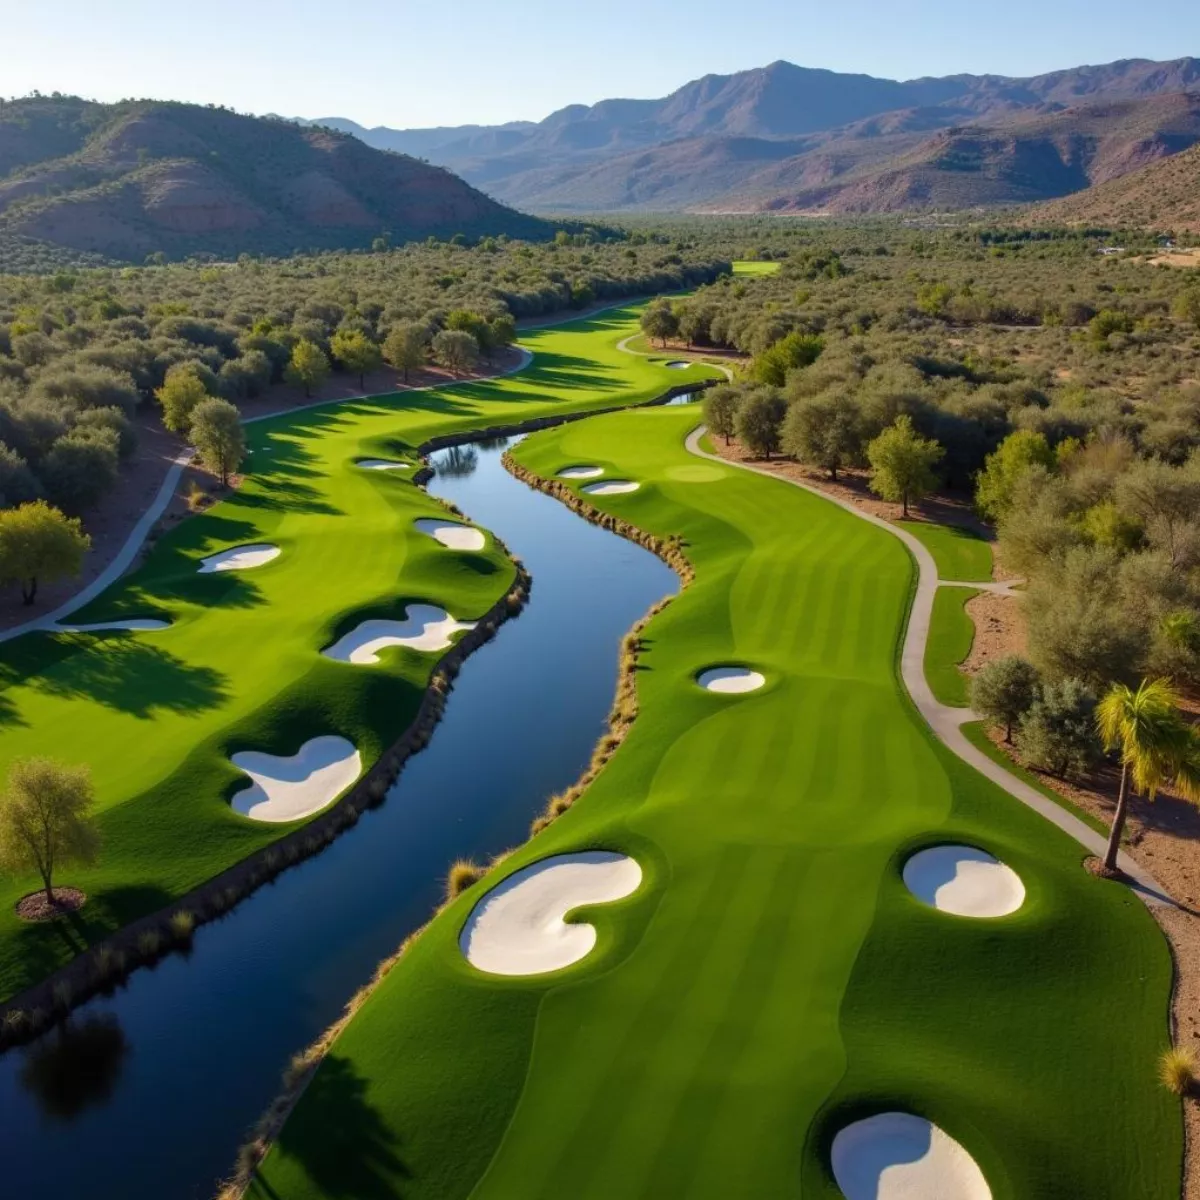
[[37, 906], [999, 629]]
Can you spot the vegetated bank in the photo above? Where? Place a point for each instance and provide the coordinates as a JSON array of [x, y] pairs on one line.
[[157, 716], [771, 979]]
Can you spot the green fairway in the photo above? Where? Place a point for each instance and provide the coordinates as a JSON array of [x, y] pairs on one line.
[[951, 634], [961, 554], [157, 715], [772, 977], [748, 267]]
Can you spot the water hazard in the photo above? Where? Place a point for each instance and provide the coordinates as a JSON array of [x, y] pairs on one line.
[[145, 1095]]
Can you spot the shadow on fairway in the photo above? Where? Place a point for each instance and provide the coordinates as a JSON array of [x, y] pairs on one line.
[[130, 676], [357, 1159]]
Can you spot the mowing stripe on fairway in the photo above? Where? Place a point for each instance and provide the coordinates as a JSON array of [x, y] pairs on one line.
[[773, 978]]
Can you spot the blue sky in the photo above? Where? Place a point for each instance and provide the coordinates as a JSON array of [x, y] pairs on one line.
[[407, 64]]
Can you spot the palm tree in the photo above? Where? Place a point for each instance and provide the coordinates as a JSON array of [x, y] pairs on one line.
[[1158, 747]]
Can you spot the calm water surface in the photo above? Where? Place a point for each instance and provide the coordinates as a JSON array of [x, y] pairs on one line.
[[147, 1094]]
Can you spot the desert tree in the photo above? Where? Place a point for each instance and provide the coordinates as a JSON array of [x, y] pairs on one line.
[[659, 321], [824, 431], [456, 350], [356, 353], [406, 347], [308, 367], [902, 464], [1004, 691], [37, 543], [45, 819], [181, 391], [759, 421], [721, 405], [218, 436]]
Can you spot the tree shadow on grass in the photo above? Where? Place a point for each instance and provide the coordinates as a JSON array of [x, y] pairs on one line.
[[122, 672], [355, 1156]]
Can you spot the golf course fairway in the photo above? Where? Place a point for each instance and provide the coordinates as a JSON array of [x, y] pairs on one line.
[[158, 716], [770, 980]]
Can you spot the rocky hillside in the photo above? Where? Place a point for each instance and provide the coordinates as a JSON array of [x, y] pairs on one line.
[[785, 137], [121, 182], [1163, 196]]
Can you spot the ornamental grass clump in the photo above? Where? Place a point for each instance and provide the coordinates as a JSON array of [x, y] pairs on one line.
[[1177, 1068], [462, 874]]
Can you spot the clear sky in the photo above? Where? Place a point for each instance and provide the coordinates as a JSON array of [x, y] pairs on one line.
[[404, 63]]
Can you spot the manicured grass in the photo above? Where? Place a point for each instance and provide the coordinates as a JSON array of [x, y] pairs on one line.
[[960, 554], [157, 715], [976, 733], [951, 633], [772, 975], [747, 267]]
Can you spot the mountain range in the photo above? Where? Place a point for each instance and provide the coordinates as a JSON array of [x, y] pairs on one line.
[[797, 139], [124, 181]]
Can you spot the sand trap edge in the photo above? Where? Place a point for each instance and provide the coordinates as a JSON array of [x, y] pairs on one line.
[[290, 787], [239, 558], [963, 881], [730, 679]]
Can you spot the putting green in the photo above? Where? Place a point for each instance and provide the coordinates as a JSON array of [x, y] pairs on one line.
[[772, 978], [157, 715]]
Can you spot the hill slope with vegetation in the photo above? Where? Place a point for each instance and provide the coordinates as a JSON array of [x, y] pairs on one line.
[[126, 181], [1163, 195]]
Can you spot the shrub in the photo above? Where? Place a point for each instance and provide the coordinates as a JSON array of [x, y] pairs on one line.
[[1004, 691], [721, 405], [824, 431], [1058, 732], [759, 421]]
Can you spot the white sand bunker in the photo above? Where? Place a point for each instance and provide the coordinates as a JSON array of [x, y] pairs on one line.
[[382, 464], [135, 625], [580, 472], [898, 1156], [425, 627], [730, 679], [450, 533], [964, 881], [240, 558], [518, 927], [285, 789], [612, 487]]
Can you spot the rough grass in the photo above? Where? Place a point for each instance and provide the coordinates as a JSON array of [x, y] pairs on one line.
[[951, 634], [1177, 1068], [960, 554], [156, 716], [772, 976]]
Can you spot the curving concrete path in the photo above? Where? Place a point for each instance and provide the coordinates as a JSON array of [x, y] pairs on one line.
[[137, 536], [947, 722], [623, 346]]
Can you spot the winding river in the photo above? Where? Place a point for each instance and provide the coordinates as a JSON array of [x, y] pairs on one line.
[[146, 1094]]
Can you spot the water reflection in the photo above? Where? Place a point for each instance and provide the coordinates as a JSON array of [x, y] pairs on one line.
[[455, 462], [686, 398], [75, 1067]]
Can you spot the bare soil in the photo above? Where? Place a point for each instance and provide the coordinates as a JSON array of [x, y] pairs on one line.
[[37, 906], [999, 629]]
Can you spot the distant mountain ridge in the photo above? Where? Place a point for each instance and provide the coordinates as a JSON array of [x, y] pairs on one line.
[[780, 136], [127, 180]]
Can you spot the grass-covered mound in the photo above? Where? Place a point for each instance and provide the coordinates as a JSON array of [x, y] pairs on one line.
[[157, 715], [772, 978]]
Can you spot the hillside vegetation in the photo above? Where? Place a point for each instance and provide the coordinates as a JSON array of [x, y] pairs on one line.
[[1164, 195], [144, 178]]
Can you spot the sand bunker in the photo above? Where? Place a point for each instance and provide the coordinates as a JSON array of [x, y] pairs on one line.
[[612, 488], [382, 464], [240, 558], [730, 679], [135, 625], [964, 881], [678, 365], [898, 1156], [580, 472], [518, 927], [285, 789], [425, 627], [450, 533]]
